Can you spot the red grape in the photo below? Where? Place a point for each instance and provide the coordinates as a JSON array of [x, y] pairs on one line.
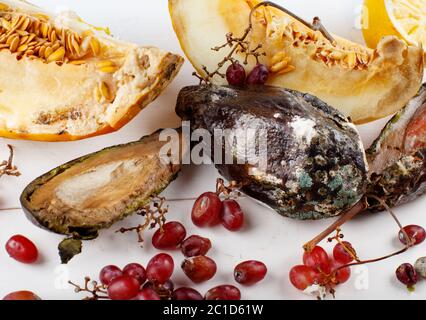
[[407, 274], [317, 259], [303, 277], [236, 74], [207, 210], [109, 273], [164, 291], [342, 275], [123, 288], [22, 249], [258, 76], [147, 294], [232, 215], [22, 296], [187, 294], [136, 271], [199, 269], [169, 237], [196, 246], [416, 233], [250, 272], [160, 268], [225, 292], [341, 254]]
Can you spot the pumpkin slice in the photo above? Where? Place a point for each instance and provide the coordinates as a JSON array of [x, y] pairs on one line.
[[63, 79], [364, 84]]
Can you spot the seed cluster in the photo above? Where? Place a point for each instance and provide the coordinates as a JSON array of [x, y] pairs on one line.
[[280, 64], [35, 37], [354, 58], [350, 58]]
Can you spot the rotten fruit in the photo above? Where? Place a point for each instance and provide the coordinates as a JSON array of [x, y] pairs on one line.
[[196, 246], [83, 196], [364, 84], [315, 168], [44, 55], [199, 269]]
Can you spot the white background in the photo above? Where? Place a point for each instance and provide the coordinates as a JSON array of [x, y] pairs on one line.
[[268, 237]]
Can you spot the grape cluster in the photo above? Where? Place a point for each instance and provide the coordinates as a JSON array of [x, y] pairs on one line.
[[320, 269], [134, 282]]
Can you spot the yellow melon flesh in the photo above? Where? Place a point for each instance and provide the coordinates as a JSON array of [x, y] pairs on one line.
[[63, 79], [364, 84]]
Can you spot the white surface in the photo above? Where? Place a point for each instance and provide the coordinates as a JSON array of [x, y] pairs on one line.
[[268, 237]]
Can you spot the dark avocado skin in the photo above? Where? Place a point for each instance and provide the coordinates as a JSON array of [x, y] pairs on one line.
[[87, 232], [308, 176]]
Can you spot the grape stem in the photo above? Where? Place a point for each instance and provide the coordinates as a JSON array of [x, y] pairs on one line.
[[409, 241], [349, 215], [7, 168], [97, 291], [242, 46], [338, 237], [154, 215], [361, 206], [315, 26]]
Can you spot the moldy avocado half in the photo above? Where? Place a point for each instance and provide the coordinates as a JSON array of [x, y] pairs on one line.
[[93, 192], [316, 165]]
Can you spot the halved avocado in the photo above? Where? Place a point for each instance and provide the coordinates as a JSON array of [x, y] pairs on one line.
[[93, 192]]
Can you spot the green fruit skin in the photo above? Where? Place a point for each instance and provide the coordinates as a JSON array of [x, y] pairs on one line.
[[92, 231]]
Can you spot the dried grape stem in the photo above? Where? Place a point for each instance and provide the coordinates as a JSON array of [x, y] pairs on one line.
[[348, 215], [234, 43], [240, 45], [98, 291], [154, 215], [361, 206], [410, 242], [315, 26], [7, 168], [359, 263], [338, 237]]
